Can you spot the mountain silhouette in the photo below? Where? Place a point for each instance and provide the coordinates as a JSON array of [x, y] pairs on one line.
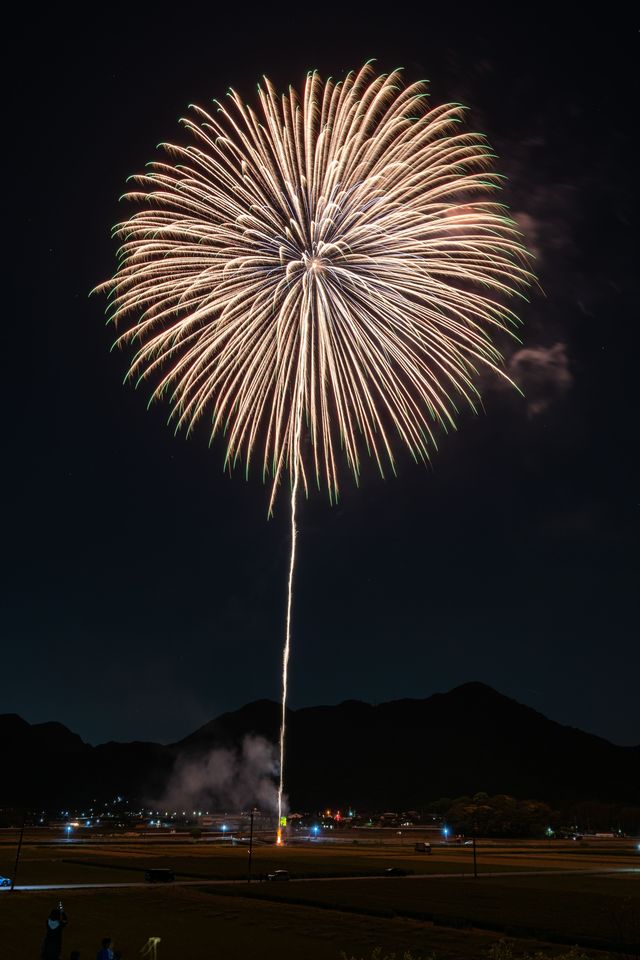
[[399, 754]]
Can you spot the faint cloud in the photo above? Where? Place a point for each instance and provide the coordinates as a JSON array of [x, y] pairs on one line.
[[531, 232], [543, 374], [548, 227]]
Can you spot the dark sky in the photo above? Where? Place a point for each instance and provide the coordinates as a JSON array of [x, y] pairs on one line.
[[144, 590]]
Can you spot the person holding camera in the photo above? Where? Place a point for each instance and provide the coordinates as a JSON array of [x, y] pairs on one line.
[[52, 944]]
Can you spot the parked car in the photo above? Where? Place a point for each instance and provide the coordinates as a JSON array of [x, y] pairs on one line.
[[397, 872], [5, 882], [422, 847], [279, 875], [157, 875]]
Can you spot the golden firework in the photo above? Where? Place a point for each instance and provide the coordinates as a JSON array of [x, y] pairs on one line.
[[333, 264]]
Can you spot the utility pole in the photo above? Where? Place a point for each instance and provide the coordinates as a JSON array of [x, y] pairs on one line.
[[251, 843], [15, 869], [475, 862]]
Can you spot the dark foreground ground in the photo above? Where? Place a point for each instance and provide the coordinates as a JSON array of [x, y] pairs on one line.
[[540, 896], [198, 925]]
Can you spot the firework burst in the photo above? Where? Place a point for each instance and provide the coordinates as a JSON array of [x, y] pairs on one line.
[[332, 265]]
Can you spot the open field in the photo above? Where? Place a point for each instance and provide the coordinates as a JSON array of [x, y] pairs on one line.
[[600, 912], [551, 892], [124, 859], [196, 925]]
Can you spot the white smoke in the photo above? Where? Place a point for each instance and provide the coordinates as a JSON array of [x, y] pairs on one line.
[[226, 779], [544, 375]]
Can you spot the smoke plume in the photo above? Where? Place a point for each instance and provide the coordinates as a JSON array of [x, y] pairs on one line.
[[544, 375], [226, 779]]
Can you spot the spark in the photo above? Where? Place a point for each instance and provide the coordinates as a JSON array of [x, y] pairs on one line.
[[331, 266], [150, 948]]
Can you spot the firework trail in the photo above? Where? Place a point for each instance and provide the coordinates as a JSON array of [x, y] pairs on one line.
[[287, 640], [328, 267]]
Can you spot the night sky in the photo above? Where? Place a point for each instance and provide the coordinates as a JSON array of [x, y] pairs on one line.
[[144, 590]]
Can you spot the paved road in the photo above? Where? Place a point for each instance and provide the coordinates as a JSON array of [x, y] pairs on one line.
[[141, 884]]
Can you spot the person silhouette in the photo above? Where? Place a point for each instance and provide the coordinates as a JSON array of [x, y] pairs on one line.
[[52, 944], [107, 950]]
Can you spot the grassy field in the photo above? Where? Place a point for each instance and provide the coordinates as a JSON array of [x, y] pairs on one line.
[[124, 859], [601, 912], [197, 925], [452, 916]]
